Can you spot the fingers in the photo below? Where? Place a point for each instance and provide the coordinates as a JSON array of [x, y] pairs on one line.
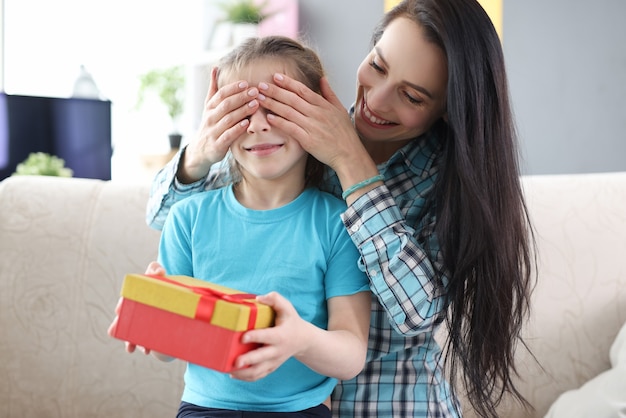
[[118, 306], [234, 98], [272, 299], [111, 329], [256, 364], [224, 119], [297, 89], [212, 85], [131, 348], [155, 269], [298, 110], [253, 373], [282, 307], [329, 94], [230, 118], [276, 343], [128, 346]]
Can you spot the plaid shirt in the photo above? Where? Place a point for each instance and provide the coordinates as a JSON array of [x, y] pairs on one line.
[[393, 228]]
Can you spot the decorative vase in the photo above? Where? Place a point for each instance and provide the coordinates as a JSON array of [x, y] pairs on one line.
[[175, 140]]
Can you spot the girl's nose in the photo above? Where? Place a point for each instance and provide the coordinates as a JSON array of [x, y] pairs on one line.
[[258, 122]]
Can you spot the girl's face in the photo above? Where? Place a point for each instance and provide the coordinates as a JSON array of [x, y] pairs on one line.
[[401, 88], [263, 151]]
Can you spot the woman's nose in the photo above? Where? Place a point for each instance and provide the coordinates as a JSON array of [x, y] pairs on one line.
[[258, 122], [379, 97]]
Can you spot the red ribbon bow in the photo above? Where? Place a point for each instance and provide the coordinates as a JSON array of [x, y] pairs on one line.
[[209, 296]]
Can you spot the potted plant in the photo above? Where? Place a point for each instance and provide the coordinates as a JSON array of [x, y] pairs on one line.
[[244, 11], [42, 164], [169, 85], [244, 17]]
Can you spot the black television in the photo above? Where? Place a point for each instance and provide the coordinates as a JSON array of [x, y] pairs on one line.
[[75, 129]]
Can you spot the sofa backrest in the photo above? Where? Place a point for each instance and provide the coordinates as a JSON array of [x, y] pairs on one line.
[[579, 303], [65, 246]]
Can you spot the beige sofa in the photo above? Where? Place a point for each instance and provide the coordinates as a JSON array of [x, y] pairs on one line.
[[65, 245]]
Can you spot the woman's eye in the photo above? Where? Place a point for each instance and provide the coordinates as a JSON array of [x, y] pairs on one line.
[[376, 67], [413, 100]]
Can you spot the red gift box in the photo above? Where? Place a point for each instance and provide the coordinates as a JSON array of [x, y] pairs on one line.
[[190, 319]]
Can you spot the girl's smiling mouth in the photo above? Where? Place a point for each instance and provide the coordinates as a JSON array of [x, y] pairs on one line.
[[263, 149]]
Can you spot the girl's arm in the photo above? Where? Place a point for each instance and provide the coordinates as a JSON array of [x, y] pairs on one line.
[[338, 352]]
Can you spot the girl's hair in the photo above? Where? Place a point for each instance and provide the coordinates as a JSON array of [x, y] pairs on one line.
[[299, 58], [482, 221]]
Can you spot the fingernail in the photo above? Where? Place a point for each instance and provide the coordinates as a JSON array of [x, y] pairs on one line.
[[261, 97], [253, 92], [279, 77], [271, 116], [243, 85], [244, 123], [253, 103], [263, 86]]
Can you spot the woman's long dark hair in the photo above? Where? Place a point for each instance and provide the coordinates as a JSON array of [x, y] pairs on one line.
[[482, 220]]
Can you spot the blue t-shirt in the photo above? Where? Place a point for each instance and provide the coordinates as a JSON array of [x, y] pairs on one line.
[[300, 250]]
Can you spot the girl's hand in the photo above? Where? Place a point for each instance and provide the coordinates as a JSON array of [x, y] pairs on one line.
[[130, 347], [224, 119], [280, 342], [337, 352], [320, 124], [153, 268]]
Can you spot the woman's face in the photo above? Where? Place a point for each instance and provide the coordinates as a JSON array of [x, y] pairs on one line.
[[401, 88]]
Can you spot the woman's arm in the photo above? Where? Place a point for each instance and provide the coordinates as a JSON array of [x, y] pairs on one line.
[[223, 120], [403, 263], [395, 237], [338, 352]]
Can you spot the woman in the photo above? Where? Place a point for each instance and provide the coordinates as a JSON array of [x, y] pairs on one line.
[[445, 237]]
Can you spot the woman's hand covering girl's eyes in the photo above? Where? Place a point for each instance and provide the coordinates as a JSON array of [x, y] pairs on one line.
[[319, 123]]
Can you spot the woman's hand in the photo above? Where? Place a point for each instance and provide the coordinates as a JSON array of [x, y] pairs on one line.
[[319, 123], [224, 119], [322, 127]]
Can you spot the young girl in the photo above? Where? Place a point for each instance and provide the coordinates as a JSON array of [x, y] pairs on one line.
[[274, 233]]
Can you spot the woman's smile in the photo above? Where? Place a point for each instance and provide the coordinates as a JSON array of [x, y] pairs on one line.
[[372, 118]]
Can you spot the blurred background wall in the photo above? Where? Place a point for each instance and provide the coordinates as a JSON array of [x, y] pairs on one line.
[[566, 62]]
